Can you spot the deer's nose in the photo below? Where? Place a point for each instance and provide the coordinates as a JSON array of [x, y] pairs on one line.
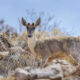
[[29, 36]]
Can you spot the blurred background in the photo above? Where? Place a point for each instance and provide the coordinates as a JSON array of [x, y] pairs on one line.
[[64, 14]]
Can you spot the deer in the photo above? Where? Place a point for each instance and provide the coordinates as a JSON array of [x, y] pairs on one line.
[[42, 50]]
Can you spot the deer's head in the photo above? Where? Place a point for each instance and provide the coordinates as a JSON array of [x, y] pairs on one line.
[[30, 27]]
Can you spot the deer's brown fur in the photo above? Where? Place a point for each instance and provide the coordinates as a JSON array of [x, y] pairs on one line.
[[43, 50]]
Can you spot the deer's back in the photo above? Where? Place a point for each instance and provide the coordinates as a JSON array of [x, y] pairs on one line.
[[48, 47]]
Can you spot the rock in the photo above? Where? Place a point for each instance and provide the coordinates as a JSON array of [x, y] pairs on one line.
[[50, 72], [1, 76], [58, 70], [76, 71], [20, 74], [67, 68]]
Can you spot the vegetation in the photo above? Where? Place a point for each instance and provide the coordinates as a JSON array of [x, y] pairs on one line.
[[19, 54]]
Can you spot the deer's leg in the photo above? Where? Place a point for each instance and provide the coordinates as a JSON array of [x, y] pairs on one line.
[[34, 62], [45, 57], [44, 62]]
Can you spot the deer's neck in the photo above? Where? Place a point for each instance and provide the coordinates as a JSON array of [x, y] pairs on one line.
[[32, 43]]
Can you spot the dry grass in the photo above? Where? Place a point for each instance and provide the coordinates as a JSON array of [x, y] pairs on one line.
[[14, 61], [9, 78]]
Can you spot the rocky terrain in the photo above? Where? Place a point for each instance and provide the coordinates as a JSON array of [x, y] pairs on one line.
[[16, 61]]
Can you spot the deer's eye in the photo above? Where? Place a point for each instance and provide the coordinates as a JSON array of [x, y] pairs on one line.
[[28, 24], [32, 24]]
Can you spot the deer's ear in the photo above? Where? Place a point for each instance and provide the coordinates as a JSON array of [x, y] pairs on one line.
[[23, 21], [38, 21]]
